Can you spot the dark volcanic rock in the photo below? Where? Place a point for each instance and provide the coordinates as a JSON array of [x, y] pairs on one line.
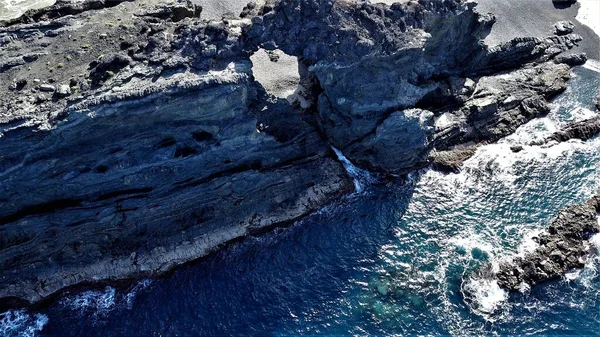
[[583, 130], [572, 59], [371, 62], [150, 182], [562, 246], [108, 67], [451, 160]]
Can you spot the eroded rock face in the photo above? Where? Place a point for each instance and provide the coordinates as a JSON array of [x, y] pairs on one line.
[[562, 246], [371, 61], [387, 148], [140, 186], [167, 152], [583, 130]]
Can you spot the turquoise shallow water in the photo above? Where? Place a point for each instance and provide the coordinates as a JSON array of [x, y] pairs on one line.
[[394, 259]]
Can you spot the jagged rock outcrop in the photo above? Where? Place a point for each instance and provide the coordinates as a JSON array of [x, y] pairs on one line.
[[563, 246], [564, 27], [450, 161], [428, 55], [583, 130]]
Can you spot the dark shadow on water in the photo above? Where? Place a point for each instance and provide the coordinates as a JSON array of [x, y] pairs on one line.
[[273, 283]]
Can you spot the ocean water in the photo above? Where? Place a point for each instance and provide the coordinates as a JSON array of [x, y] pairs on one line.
[[392, 259]]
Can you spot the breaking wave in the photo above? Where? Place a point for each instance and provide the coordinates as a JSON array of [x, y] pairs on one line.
[[20, 323]]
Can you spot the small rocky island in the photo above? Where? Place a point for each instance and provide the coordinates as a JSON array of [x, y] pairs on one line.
[[134, 137]]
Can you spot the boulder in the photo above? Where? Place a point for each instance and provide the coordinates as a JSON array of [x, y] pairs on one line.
[[564, 27], [63, 90], [47, 88]]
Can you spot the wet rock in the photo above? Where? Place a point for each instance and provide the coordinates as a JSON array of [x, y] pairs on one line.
[[401, 142], [450, 161], [582, 130]]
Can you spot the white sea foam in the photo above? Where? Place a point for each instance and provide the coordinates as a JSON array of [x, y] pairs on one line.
[[595, 241], [528, 244], [474, 241], [19, 323], [589, 14], [486, 295], [130, 297], [361, 177], [98, 302], [592, 65]]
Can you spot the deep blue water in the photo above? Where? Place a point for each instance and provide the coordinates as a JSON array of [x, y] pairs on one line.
[[394, 259]]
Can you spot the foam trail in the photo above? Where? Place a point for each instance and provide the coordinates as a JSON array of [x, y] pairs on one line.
[[361, 177], [593, 65], [130, 297], [98, 302], [19, 323]]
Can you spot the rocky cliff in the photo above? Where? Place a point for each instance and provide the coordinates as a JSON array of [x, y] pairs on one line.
[[134, 137]]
